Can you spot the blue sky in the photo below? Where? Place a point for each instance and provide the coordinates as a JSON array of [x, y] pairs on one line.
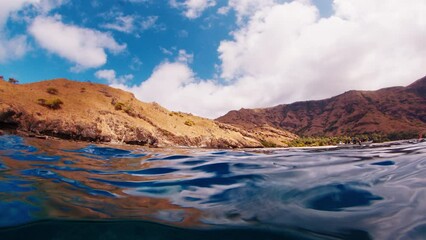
[[146, 48], [210, 56]]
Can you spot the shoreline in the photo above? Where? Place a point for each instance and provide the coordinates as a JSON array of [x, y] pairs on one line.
[[4, 132]]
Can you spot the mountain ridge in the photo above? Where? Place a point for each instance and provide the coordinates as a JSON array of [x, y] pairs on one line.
[[354, 112]]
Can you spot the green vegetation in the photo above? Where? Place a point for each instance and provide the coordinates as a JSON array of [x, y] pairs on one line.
[[52, 91], [179, 114], [315, 141], [268, 144], [52, 103], [119, 106], [13, 81], [189, 123], [402, 135], [127, 108], [318, 141]]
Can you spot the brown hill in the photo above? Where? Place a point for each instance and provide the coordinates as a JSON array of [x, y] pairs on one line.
[[389, 110], [95, 112]]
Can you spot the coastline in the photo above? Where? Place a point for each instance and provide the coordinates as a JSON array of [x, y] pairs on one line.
[[183, 147]]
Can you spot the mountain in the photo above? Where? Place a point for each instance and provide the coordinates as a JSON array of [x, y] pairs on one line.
[[386, 111], [95, 112]]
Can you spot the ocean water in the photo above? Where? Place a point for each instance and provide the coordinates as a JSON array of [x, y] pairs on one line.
[[53, 189]]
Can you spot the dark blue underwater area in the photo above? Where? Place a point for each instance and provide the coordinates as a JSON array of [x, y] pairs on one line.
[[53, 189]]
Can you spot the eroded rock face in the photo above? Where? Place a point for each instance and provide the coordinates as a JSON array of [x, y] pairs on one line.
[[9, 117], [26, 124]]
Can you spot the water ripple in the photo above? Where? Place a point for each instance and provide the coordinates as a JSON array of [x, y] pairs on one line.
[[315, 193]]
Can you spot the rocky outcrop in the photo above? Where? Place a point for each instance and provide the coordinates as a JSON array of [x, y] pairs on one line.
[[389, 110], [94, 112]]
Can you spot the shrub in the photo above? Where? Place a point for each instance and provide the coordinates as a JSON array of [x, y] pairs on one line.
[[179, 114], [119, 106], [105, 92], [129, 110], [13, 81], [125, 107], [52, 91], [189, 123], [268, 144], [41, 101], [52, 104]]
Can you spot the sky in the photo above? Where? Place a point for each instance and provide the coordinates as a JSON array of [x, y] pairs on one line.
[[208, 57]]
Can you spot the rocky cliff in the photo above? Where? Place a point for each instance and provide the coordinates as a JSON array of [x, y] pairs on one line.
[[95, 112]]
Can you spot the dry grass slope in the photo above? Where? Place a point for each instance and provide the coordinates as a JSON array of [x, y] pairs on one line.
[[95, 112], [385, 111]]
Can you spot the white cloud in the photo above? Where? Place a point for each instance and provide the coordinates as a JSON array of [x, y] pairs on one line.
[[192, 8], [166, 51], [286, 52], [180, 55], [184, 57], [7, 7], [136, 64], [111, 76], [174, 86], [13, 48], [10, 7], [148, 22], [364, 45], [82, 46], [245, 8], [130, 23], [45, 6], [121, 24]]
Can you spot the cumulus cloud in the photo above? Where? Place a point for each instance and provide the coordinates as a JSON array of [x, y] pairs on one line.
[[12, 47], [192, 8], [173, 85], [45, 6], [112, 78], [244, 8], [287, 52], [8, 7], [82, 46], [364, 45]]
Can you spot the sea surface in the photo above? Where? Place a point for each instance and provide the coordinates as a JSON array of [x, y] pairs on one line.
[[54, 189]]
